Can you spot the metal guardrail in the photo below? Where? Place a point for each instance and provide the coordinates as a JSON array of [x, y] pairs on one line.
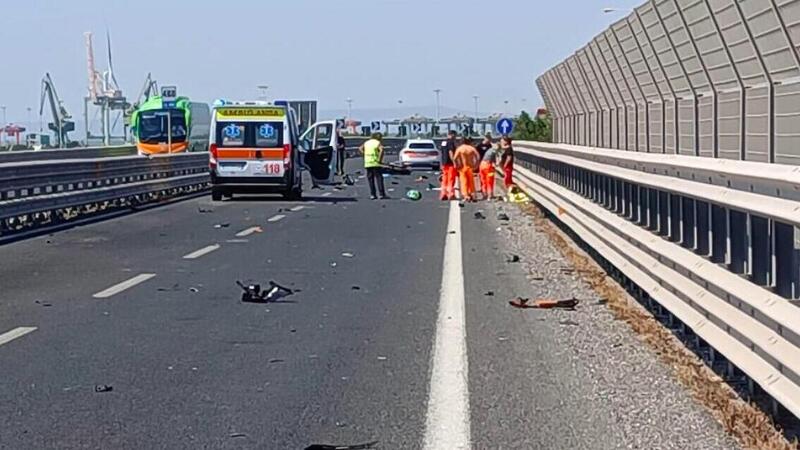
[[703, 251], [42, 193], [67, 153]]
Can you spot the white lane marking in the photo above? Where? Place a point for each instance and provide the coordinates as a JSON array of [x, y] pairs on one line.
[[237, 241], [448, 423], [297, 208], [7, 337], [276, 218], [127, 284], [248, 231], [203, 251], [327, 194]]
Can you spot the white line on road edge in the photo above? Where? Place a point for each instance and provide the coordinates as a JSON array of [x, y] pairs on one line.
[[448, 422], [297, 208], [202, 251], [276, 218], [327, 194], [248, 231], [5, 338], [117, 288]]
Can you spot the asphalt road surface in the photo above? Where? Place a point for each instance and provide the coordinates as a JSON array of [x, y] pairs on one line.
[[130, 333]]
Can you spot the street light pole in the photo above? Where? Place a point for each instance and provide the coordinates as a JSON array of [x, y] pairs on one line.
[[475, 97], [349, 108], [437, 91], [263, 88]]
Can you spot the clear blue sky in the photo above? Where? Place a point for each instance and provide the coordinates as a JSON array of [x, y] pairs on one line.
[[375, 51]]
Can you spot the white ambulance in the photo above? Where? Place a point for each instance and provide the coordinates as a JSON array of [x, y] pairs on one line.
[[255, 147]]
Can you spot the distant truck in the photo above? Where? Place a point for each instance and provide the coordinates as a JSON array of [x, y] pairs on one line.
[[188, 121]]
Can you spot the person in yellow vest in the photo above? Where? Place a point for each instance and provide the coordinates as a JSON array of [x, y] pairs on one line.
[[373, 162]]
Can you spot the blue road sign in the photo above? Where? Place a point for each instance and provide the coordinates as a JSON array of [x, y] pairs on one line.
[[416, 128], [375, 125], [504, 126]]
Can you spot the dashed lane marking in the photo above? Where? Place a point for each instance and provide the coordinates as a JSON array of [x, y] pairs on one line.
[[203, 251], [9, 336], [127, 284]]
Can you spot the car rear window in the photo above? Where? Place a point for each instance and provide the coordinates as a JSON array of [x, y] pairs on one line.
[[250, 134], [422, 146]]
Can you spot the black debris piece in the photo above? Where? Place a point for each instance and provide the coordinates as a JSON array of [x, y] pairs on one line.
[[568, 322], [512, 258], [503, 216], [276, 360], [205, 210], [479, 215], [103, 388], [355, 288], [395, 182], [253, 293], [489, 293], [365, 446], [44, 304], [460, 204], [451, 232], [602, 301], [222, 225], [348, 180], [238, 435], [431, 186]]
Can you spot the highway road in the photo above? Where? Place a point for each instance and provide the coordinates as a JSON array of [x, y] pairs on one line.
[[385, 338]]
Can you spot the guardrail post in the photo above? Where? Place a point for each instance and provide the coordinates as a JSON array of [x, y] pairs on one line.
[[674, 218], [641, 206], [688, 223], [632, 202], [652, 209], [617, 196], [703, 222], [609, 184], [719, 234], [762, 256], [785, 260], [738, 241], [663, 213]]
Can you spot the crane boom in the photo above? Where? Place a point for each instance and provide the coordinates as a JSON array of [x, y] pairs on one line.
[[61, 123]]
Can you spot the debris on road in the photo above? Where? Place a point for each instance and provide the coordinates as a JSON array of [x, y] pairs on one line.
[[238, 435], [194, 290], [413, 194], [333, 264], [365, 446], [489, 294], [276, 360], [451, 232], [503, 216], [222, 225], [382, 358], [348, 255], [103, 388], [355, 288], [432, 187], [512, 258], [420, 179], [204, 210], [569, 323], [348, 180], [544, 303], [479, 215], [44, 304], [253, 293]]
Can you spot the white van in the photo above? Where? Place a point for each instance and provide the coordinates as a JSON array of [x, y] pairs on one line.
[[254, 147]]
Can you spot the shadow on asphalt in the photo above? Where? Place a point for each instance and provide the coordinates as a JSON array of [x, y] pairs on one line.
[[306, 199]]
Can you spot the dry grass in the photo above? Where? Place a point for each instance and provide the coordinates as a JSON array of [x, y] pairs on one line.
[[746, 422]]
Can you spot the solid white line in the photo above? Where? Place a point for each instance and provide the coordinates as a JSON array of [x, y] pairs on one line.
[[127, 284], [327, 194], [5, 338], [237, 241], [448, 424], [276, 218], [202, 251], [297, 208], [248, 231]]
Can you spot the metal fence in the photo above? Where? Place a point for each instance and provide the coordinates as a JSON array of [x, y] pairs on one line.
[[712, 78]]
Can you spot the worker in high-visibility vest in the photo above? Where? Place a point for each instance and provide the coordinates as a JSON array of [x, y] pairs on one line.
[[373, 162]]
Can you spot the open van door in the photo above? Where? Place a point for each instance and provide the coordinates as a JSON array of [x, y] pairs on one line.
[[319, 142]]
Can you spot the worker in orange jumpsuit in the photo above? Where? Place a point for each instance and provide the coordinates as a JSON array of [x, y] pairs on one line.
[[466, 159], [448, 191], [487, 172]]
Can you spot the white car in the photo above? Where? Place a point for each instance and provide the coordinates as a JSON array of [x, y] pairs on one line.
[[420, 153]]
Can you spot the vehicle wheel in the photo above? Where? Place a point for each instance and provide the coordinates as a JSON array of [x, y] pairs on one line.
[[216, 195]]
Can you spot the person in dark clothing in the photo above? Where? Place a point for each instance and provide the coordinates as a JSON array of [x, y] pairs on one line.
[[341, 152], [507, 161], [449, 173], [485, 144]]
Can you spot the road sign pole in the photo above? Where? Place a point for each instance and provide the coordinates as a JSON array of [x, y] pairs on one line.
[[169, 132]]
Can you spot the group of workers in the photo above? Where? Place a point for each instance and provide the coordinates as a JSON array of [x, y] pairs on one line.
[[460, 159], [463, 160]]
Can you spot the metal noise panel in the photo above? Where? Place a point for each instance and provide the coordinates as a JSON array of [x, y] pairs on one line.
[[614, 67], [790, 12], [608, 81], [570, 89], [771, 40], [638, 60], [736, 39], [683, 45], [632, 125], [730, 124], [656, 127], [709, 43], [686, 126], [613, 128], [787, 123], [665, 52], [642, 128], [757, 124], [589, 70], [670, 137], [706, 127]]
